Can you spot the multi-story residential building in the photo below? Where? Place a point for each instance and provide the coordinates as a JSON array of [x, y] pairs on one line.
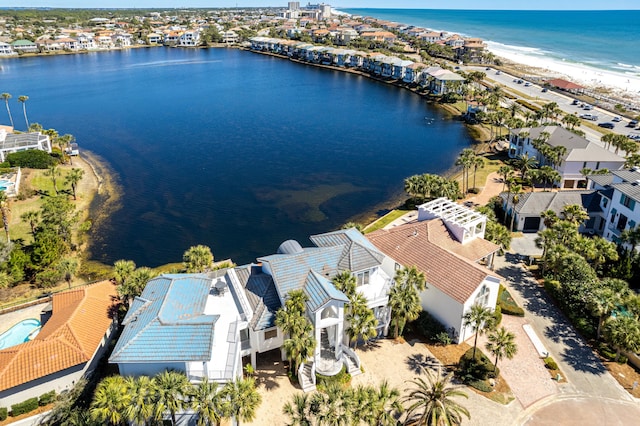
[[580, 153]]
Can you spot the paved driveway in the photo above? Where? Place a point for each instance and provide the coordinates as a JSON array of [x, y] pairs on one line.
[[589, 388]]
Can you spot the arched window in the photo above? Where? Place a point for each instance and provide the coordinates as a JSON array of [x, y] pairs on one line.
[[482, 298]]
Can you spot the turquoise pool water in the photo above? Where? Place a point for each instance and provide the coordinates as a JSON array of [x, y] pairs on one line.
[[4, 184], [19, 333]]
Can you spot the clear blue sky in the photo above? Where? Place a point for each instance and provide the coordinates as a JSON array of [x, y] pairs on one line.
[[416, 4]]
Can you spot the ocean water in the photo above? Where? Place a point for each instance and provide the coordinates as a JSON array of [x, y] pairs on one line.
[[232, 149], [606, 40]]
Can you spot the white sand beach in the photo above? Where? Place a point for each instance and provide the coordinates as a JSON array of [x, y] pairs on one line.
[[619, 82]]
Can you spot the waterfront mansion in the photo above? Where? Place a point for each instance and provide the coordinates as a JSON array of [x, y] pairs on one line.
[[204, 324]]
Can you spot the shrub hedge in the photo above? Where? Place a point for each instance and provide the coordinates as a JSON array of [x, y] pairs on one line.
[[24, 407], [47, 398], [481, 385], [507, 305], [342, 378], [497, 314], [31, 158], [428, 326], [479, 368], [3, 413]]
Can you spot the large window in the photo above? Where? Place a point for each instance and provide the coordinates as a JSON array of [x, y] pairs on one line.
[[627, 202], [362, 278], [482, 298], [271, 334], [622, 223]]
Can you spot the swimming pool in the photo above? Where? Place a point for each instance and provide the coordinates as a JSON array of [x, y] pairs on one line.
[[22, 332], [4, 184]]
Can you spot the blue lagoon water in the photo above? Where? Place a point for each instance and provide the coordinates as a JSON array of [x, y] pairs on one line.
[[601, 39], [232, 149]]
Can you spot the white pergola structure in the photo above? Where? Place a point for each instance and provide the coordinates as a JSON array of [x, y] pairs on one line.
[[465, 224]]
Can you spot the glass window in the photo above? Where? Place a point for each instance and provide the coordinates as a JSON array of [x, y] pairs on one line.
[[271, 334], [363, 278]]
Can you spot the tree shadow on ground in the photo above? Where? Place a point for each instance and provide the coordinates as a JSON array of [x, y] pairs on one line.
[[519, 280], [419, 362], [371, 345], [576, 353], [269, 368]]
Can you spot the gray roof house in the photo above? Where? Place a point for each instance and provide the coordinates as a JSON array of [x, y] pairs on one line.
[[14, 142], [580, 153], [530, 205]]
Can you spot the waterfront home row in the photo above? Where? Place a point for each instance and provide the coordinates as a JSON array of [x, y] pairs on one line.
[[437, 80], [204, 324]]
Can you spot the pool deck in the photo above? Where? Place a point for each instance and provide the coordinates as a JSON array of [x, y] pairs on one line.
[[12, 318]]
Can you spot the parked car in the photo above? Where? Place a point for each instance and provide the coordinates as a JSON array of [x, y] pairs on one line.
[[587, 107], [607, 125], [519, 81], [632, 123], [575, 102], [545, 90], [498, 72], [634, 136], [591, 117], [616, 119], [527, 84]]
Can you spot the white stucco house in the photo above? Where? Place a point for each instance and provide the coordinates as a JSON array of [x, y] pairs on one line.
[[446, 243], [619, 202], [229, 314]]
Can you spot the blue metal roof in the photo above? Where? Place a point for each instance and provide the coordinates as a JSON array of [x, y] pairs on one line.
[[262, 295], [166, 323], [289, 271], [359, 254], [320, 291]]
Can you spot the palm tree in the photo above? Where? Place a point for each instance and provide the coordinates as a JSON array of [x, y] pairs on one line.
[[501, 343], [298, 410], [479, 318], [300, 346], [333, 406], [172, 387], [505, 172], [549, 217], [209, 403], [624, 334], [122, 269], [345, 281], [135, 283], [602, 302], [431, 401], [67, 268], [142, 407], [405, 306], [6, 97], [32, 217], [411, 277], [197, 259], [465, 160], [362, 321], [243, 398], [110, 401], [477, 163], [574, 213], [516, 190], [74, 176], [526, 163], [385, 405], [4, 211], [54, 173], [23, 100], [571, 121]]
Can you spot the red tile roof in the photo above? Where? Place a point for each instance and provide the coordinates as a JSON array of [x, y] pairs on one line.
[[79, 321], [411, 245]]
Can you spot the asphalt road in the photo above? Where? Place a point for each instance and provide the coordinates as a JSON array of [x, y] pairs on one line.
[[564, 101]]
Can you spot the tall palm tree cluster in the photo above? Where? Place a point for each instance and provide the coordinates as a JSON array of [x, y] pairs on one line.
[[335, 405], [293, 321], [430, 401], [404, 297], [469, 160], [146, 400], [360, 319], [428, 186], [130, 280], [23, 100], [576, 268]]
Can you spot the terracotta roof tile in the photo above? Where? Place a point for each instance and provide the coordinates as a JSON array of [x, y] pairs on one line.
[[79, 321], [453, 274]]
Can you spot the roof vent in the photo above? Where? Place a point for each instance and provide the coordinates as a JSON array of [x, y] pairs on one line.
[[637, 182]]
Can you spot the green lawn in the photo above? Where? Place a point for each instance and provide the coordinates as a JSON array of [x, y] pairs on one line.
[[385, 220]]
